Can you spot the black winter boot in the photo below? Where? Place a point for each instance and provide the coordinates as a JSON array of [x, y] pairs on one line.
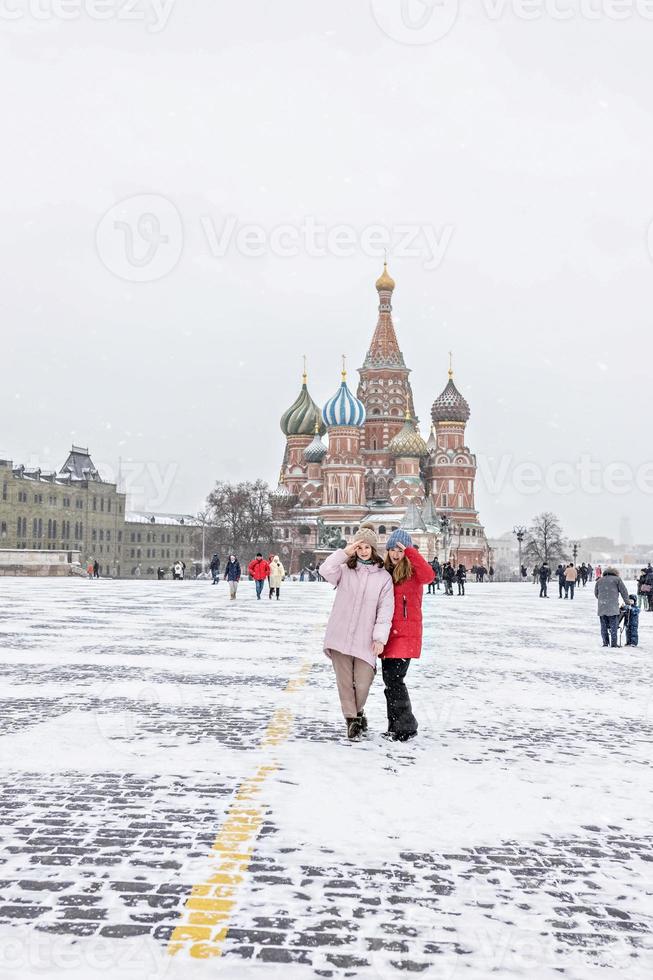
[[354, 729], [362, 717]]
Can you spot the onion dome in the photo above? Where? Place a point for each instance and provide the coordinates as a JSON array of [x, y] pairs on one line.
[[408, 442], [343, 408], [316, 450], [385, 280], [450, 406], [282, 497], [300, 418]]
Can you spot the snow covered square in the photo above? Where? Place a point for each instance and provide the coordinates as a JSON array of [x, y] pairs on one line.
[[179, 798]]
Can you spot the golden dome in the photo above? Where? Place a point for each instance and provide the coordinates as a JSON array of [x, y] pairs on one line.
[[408, 442], [385, 280]]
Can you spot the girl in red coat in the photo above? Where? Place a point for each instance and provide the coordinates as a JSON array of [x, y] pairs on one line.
[[410, 573]]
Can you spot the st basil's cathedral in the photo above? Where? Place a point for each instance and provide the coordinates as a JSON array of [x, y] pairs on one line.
[[375, 467]]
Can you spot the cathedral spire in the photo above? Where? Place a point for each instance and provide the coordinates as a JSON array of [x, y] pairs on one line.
[[384, 350]]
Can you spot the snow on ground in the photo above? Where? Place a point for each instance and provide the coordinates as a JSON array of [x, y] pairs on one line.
[[511, 839]]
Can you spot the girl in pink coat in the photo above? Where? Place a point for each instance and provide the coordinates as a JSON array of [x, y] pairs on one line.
[[359, 623]]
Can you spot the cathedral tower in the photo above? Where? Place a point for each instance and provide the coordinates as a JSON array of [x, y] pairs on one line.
[[384, 389]]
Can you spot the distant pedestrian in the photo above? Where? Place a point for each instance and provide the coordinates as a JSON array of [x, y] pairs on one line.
[[359, 624], [96, 569], [645, 588], [89, 569], [232, 575], [544, 575], [491, 573], [583, 574], [536, 574], [215, 568], [461, 576], [571, 577], [598, 572], [560, 575], [259, 569], [277, 575], [410, 573], [607, 590], [448, 574], [434, 581]]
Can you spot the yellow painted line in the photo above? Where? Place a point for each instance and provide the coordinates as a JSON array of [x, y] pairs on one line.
[[210, 905]]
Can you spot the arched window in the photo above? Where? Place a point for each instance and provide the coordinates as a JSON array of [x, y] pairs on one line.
[[382, 529]]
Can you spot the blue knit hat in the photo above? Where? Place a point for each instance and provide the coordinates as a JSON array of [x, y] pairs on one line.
[[399, 537]]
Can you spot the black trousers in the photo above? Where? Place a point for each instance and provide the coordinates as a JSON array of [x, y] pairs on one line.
[[400, 713]]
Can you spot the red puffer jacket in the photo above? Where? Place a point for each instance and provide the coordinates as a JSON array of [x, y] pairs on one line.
[[405, 638], [259, 569]]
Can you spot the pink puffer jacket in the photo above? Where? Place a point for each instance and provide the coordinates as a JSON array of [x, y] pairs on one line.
[[362, 611]]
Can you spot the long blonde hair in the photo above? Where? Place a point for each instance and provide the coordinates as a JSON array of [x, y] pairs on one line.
[[400, 572]]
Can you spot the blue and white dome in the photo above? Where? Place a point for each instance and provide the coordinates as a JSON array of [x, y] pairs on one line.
[[344, 408]]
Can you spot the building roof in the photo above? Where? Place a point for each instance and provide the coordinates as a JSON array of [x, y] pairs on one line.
[[412, 519], [175, 520], [80, 466]]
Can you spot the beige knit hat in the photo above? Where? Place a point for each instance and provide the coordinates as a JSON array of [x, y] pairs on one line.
[[366, 535]]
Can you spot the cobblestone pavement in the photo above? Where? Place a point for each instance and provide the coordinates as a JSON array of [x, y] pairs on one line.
[[174, 783]]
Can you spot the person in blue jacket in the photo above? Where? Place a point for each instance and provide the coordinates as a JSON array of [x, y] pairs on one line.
[[631, 615], [232, 575]]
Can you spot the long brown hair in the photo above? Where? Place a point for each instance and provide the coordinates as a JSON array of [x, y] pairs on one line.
[[374, 557], [400, 572]]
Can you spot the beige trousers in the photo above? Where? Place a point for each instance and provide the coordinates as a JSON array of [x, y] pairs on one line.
[[354, 679]]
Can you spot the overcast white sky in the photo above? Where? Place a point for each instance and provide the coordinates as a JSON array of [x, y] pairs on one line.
[[518, 151]]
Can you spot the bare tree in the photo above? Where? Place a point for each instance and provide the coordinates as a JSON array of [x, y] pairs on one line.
[[239, 517], [546, 541]]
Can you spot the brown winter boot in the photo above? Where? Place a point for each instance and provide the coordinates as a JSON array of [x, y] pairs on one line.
[[354, 729]]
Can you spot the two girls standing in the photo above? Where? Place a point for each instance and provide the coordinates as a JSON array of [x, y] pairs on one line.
[[377, 613]]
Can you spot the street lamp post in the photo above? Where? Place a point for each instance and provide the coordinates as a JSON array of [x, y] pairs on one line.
[[444, 525], [520, 533], [575, 550]]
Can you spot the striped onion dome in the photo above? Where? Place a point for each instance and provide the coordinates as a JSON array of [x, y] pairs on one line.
[[316, 450], [408, 442], [300, 418], [344, 408]]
